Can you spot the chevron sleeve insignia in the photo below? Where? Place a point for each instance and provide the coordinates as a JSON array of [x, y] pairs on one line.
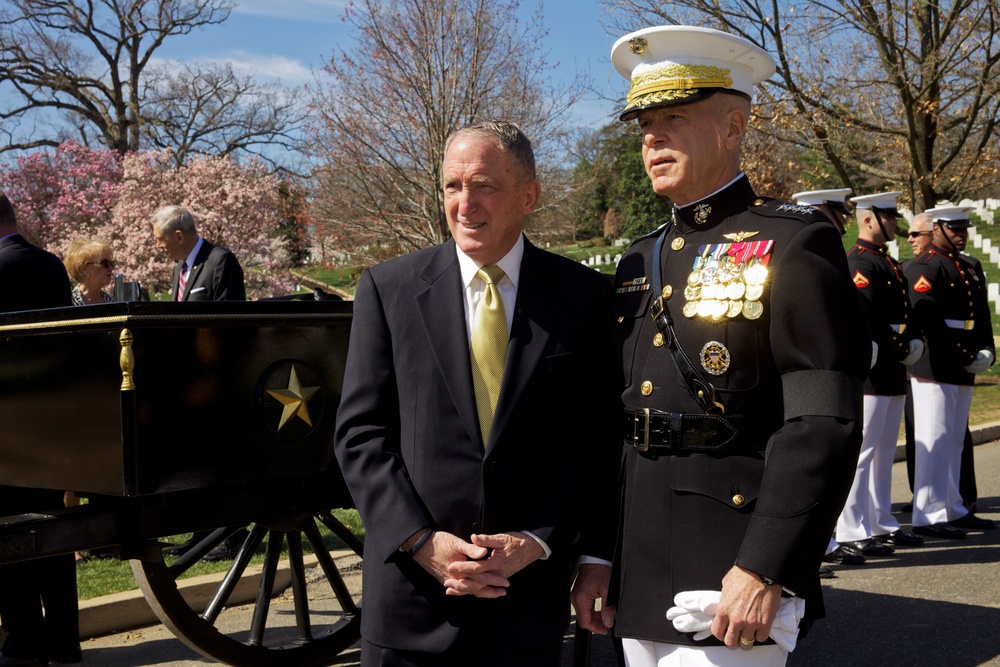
[[922, 285], [860, 280]]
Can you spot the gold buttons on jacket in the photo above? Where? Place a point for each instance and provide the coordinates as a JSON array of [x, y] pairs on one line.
[[677, 243], [738, 499], [646, 388], [621, 318], [667, 291], [658, 340]]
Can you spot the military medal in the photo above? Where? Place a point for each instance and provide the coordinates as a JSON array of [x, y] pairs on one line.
[[752, 309], [727, 279], [715, 358], [735, 290]]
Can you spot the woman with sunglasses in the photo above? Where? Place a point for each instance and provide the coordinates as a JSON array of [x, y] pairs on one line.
[[91, 265]]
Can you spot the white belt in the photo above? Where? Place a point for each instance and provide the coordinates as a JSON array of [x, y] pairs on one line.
[[960, 324], [898, 328]]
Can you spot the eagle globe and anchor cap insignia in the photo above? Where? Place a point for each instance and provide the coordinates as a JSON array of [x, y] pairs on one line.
[[289, 394]]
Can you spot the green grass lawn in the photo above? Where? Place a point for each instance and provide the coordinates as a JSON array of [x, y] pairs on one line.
[[98, 576]]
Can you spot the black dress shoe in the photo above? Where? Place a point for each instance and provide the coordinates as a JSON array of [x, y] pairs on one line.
[[7, 661], [973, 522], [868, 548], [942, 530], [825, 572], [898, 538], [841, 557], [66, 655], [908, 507], [181, 549], [228, 548]]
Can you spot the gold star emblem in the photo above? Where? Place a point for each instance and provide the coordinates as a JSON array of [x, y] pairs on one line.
[[738, 237], [295, 399]]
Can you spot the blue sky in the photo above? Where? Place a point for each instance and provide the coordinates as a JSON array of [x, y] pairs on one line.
[[289, 39]]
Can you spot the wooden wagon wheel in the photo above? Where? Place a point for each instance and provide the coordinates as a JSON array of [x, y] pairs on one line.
[[320, 630]]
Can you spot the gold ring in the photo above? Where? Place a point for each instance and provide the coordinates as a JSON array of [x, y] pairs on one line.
[[746, 642]]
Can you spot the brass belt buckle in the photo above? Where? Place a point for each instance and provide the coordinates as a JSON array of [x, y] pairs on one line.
[[644, 445]]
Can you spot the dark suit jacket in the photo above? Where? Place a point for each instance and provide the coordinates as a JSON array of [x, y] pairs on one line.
[[31, 278], [215, 276], [409, 444]]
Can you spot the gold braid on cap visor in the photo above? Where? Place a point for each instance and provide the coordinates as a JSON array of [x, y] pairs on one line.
[[674, 82]]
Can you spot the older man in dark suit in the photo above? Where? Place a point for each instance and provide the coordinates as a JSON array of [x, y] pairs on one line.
[[204, 272], [471, 421], [31, 278]]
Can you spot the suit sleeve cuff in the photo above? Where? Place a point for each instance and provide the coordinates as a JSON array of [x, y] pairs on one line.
[[541, 543]]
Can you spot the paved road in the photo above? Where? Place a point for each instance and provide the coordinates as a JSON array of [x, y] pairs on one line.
[[938, 605]]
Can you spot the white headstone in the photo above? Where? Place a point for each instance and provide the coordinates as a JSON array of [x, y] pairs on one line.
[[992, 291]]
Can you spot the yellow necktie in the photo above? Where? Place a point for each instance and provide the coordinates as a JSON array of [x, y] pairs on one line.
[[489, 348]]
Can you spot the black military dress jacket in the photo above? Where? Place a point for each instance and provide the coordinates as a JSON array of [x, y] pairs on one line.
[[882, 285], [950, 307], [774, 322]]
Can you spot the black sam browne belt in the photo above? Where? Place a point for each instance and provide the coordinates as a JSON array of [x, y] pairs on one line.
[[655, 432]]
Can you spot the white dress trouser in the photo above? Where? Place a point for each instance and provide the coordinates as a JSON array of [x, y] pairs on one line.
[[940, 416], [644, 653], [868, 510]]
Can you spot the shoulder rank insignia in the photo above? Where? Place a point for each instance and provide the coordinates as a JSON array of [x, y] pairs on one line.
[[860, 280], [795, 208], [634, 285], [922, 284], [739, 237]]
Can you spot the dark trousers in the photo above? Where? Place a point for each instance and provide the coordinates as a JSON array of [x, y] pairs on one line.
[[470, 649], [28, 585]]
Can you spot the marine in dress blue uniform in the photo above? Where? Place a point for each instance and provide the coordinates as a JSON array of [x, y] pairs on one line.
[[739, 340], [950, 308], [866, 525], [832, 204]]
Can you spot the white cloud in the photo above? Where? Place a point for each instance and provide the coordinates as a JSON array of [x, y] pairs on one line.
[[327, 11], [281, 69], [288, 71]]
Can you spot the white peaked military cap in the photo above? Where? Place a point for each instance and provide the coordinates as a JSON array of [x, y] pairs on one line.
[[883, 202], [952, 217], [832, 198], [678, 64]]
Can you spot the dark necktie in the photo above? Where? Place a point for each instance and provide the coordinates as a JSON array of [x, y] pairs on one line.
[[182, 281]]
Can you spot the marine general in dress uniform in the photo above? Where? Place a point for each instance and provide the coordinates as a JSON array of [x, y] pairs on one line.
[[866, 526], [949, 307], [742, 340]]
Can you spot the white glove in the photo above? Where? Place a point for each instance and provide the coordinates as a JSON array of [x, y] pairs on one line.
[[696, 609], [916, 351], [874, 354], [983, 360]]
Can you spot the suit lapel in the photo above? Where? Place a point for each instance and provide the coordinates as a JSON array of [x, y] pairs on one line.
[[529, 336], [442, 313]]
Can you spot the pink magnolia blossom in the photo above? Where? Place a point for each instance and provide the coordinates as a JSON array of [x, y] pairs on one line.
[[75, 192]]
